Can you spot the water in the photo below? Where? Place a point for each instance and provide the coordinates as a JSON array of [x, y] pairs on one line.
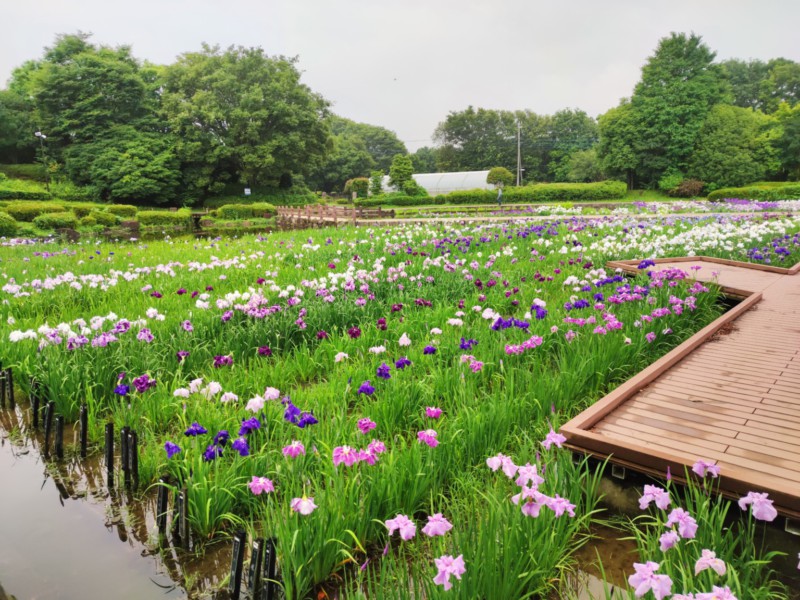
[[63, 535]]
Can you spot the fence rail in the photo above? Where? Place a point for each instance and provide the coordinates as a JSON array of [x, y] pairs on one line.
[[321, 214]]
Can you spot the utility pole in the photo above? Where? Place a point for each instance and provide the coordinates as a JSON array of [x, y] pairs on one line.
[[42, 137], [519, 155]]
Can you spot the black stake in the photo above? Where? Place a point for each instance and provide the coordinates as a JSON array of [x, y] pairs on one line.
[[270, 573], [162, 505], [35, 410], [183, 517], [110, 453], [60, 437], [133, 458], [84, 420], [237, 564], [11, 388], [48, 425], [2, 387], [254, 570], [123, 450]]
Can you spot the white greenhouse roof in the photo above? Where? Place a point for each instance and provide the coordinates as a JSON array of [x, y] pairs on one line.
[[443, 183]]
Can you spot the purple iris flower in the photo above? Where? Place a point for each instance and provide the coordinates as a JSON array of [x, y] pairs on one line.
[[366, 388], [249, 425], [212, 452], [383, 371], [195, 429], [240, 445], [172, 449], [429, 350]]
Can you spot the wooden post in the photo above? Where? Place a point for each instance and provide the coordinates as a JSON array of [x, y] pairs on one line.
[[59, 437], [84, 421], [110, 453]]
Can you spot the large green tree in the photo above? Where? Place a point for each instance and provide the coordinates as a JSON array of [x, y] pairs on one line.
[[734, 147], [241, 115], [788, 143], [679, 85], [617, 146], [571, 131], [746, 79], [17, 127], [424, 160]]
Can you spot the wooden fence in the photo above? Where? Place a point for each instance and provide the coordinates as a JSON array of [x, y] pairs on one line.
[[321, 215]]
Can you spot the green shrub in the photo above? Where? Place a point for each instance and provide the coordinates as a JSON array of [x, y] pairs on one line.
[[767, 192], [688, 188], [166, 218], [56, 220], [80, 210], [8, 225], [35, 172], [670, 181], [103, 218], [66, 190], [125, 211], [233, 212], [396, 200], [88, 222], [28, 211], [500, 176]]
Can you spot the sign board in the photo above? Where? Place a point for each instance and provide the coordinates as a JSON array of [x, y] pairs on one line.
[[246, 191]]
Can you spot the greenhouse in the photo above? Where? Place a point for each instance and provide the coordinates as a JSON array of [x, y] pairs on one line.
[[444, 183]]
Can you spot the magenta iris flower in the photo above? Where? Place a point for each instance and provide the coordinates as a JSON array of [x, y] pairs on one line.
[[381, 324], [294, 449], [354, 332], [366, 425], [222, 361], [433, 412], [428, 437], [172, 449], [345, 454], [143, 383], [182, 355], [264, 351]]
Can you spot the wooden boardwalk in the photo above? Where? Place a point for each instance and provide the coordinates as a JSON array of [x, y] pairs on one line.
[[729, 395]]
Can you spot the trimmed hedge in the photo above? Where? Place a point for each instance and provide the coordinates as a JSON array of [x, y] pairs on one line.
[[103, 218], [20, 195], [8, 224], [789, 191], [59, 220], [125, 211], [543, 192], [273, 197], [166, 218], [28, 211], [398, 200], [234, 212]]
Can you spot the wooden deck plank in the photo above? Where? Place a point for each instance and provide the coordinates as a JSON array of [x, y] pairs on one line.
[[733, 398]]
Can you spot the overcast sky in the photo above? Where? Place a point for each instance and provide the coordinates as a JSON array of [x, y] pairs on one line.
[[405, 64]]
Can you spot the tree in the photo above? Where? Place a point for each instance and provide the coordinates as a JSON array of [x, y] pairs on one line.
[[584, 166], [500, 177], [401, 170], [679, 85], [570, 131], [746, 80], [616, 147], [734, 147], [240, 114], [788, 143], [782, 84], [376, 183], [479, 139], [424, 160], [17, 142], [347, 158]]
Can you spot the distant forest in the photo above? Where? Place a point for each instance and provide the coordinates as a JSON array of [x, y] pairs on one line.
[[131, 131]]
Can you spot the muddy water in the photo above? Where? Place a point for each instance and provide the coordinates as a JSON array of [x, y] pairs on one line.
[[64, 535]]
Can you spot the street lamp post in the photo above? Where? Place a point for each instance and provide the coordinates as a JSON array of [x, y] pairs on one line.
[[42, 137]]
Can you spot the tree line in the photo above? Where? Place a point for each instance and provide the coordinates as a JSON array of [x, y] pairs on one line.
[[217, 120]]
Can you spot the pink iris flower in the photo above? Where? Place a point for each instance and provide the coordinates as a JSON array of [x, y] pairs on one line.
[[304, 505], [709, 560], [653, 493], [645, 580], [402, 523], [437, 525], [345, 454], [553, 438], [687, 526], [261, 485], [702, 468], [761, 506], [366, 425], [717, 593], [433, 412], [447, 565]]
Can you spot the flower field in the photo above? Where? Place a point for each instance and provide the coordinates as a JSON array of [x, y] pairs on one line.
[[384, 403]]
